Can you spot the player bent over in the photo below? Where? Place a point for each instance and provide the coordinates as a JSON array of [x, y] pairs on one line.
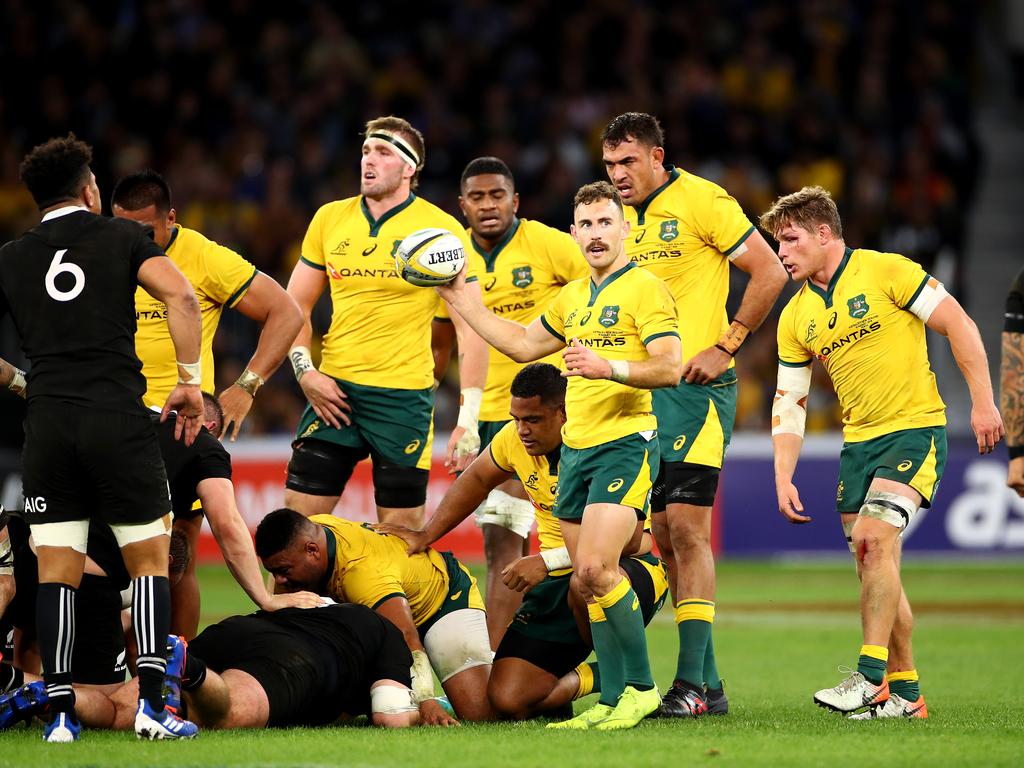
[[538, 667], [863, 315], [431, 597], [621, 339], [69, 284]]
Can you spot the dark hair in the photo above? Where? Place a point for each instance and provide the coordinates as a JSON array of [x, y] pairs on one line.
[[638, 126], [213, 412], [482, 165], [596, 191], [56, 170], [541, 380], [179, 553], [141, 190], [278, 530]]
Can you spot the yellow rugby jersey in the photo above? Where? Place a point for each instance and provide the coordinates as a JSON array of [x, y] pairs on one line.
[[380, 324], [684, 233], [630, 309], [518, 279], [873, 348], [370, 567], [539, 476], [220, 278]]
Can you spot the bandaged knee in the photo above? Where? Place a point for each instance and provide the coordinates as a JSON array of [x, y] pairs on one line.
[[133, 534], [70, 533], [458, 641], [889, 508], [506, 511]]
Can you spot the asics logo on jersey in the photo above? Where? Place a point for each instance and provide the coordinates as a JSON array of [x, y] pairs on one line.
[[832, 321], [411, 447], [371, 249], [679, 443], [615, 484], [491, 284], [456, 596], [904, 465], [640, 236]]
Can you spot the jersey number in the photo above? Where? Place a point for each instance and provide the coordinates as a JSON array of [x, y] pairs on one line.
[[56, 268]]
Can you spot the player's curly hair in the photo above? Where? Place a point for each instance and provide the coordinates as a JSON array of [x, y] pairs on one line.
[[806, 209], [638, 126], [56, 170], [486, 165], [393, 124], [142, 189], [541, 380], [277, 530], [596, 191]]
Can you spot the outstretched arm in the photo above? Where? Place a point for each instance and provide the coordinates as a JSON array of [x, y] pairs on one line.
[[789, 416]]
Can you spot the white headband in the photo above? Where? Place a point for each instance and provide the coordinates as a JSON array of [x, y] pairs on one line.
[[405, 150]]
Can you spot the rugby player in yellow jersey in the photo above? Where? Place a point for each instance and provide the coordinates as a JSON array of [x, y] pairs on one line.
[[687, 231], [373, 393], [620, 337], [220, 278], [863, 315], [522, 264], [431, 597], [538, 667]]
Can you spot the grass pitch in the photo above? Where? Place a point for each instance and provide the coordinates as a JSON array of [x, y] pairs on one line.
[[781, 631]]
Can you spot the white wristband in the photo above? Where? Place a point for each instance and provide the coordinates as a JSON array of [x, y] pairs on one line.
[[18, 385], [302, 363], [469, 407], [190, 373], [620, 370], [556, 559]]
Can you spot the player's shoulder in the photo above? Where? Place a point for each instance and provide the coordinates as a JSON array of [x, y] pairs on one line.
[[536, 234], [434, 216], [641, 279], [118, 227], [334, 211]]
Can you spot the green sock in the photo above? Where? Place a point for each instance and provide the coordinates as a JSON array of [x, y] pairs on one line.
[[714, 682], [596, 687], [872, 662], [693, 620], [608, 656], [905, 684], [622, 610]]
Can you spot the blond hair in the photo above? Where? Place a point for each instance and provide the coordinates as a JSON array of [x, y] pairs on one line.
[[808, 208], [392, 124]]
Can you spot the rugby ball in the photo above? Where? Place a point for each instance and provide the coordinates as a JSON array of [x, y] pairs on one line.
[[431, 256]]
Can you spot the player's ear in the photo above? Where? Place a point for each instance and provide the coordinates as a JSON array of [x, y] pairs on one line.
[[515, 202], [172, 217], [658, 155]]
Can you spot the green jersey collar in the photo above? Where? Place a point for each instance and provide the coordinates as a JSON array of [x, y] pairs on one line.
[[376, 224], [595, 290], [641, 210], [490, 257], [826, 295]]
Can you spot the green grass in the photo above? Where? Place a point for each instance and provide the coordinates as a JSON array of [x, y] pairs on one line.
[[780, 633]]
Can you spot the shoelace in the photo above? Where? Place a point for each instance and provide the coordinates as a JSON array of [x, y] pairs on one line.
[[855, 678]]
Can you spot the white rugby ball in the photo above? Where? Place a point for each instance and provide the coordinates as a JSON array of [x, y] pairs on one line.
[[431, 256]]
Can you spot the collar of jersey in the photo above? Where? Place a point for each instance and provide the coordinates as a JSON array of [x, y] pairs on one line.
[[375, 225], [826, 295], [594, 290], [641, 210], [56, 213], [174, 237], [553, 459], [492, 256], [332, 555]]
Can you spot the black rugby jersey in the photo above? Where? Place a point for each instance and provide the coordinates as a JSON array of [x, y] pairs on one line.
[[69, 284], [1014, 322]]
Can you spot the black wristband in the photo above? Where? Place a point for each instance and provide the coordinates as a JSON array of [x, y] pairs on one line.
[[1015, 451], [730, 354]]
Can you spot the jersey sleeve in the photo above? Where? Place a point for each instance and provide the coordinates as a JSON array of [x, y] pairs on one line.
[[656, 316], [372, 575], [722, 222], [442, 313], [567, 262], [144, 247], [553, 318], [904, 279], [1014, 322], [212, 459], [312, 253], [393, 660], [792, 353], [499, 448], [226, 276]]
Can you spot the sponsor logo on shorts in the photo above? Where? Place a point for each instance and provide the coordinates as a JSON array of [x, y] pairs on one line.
[[858, 306], [679, 443], [522, 276], [411, 447], [669, 230], [609, 316], [35, 504], [313, 427], [904, 465], [636, 602], [456, 596], [839, 491], [615, 484]]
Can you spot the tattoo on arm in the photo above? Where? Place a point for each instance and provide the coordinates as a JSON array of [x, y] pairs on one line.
[[1011, 388]]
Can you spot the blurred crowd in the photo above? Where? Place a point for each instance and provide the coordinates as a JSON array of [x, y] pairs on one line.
[[253, 112]]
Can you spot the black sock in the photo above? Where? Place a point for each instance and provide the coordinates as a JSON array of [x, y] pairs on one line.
[[10, 678], [55, 623], [195, 673], [151, 619]]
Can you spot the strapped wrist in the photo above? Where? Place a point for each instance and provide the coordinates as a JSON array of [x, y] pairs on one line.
[[469, 407], [620, 370], [250, 382], [556, 559], [302, 362], [17, 384], [190, 373], [733, 338]]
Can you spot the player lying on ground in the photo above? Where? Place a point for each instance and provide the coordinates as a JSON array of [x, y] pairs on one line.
[[538, 667], [293, 667], [431, 597]]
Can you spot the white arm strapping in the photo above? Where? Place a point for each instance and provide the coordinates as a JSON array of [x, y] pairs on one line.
[[556, 559], [6, 561], [469, 417], [422, 678], [387, 699], [789, 409], [928, 299]]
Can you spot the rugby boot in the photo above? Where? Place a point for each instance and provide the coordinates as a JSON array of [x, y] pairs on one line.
[[177, 655], [855, 692], [161, 725], [584, 720], [64, 728], [895, 706], [22, 704], [717, 701], [634, 705], [683, 700]]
